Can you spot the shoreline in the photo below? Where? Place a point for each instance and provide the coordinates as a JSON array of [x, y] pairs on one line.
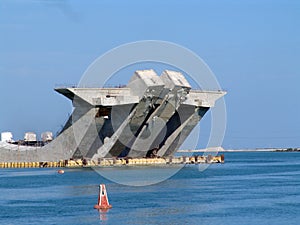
[[241, 150]]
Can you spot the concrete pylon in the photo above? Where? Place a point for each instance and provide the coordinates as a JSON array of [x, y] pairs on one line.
[[176, 139], [147, 86], [191, 112], [93, 114], [66, 144], [175, 90]]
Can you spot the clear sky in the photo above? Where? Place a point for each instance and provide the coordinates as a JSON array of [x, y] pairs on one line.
[[253, 48]]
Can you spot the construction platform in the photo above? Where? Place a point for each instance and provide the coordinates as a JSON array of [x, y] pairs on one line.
[[117, 162]]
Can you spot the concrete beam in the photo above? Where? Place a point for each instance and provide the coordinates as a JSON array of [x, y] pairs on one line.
[[100, 96]]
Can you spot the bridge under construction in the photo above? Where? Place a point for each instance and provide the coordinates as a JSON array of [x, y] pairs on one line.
[[150, 117]]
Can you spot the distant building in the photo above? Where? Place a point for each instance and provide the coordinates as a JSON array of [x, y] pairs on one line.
[[6, 137], [30, 137], [47, 136]]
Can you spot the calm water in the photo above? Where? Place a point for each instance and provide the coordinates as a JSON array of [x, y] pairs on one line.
[[250, 188]]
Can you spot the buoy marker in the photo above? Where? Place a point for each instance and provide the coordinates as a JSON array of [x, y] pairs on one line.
[[102, 198], [60, 171]]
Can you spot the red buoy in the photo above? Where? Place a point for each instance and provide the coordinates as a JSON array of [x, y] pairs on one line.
[[60, 171], [102, 199]]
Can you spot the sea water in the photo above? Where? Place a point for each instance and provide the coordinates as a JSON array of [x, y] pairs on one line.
[[250, 188]]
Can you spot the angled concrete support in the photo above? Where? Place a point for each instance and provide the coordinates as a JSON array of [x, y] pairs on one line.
[[175, 140], [175, 90], [191, 112], [148, 87]]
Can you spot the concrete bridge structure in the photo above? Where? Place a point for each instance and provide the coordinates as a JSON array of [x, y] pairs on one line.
[[151, 116]]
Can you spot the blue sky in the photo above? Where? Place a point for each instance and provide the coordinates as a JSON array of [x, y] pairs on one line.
[[253, 48]]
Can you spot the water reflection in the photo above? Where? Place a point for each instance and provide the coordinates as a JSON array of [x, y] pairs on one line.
[[103, 214]]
